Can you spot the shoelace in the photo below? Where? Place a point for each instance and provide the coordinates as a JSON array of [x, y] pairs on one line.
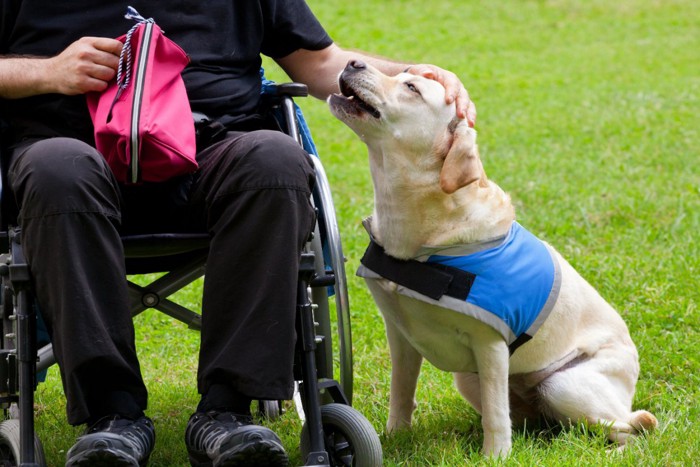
[[210, 434], [139, 437]]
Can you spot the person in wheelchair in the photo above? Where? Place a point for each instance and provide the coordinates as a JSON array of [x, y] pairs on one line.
[[251, 194]]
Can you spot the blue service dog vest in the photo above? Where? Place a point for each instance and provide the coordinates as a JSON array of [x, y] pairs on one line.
[[510, 283]]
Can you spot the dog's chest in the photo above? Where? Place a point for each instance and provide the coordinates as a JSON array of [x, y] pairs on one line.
[[444, 337]]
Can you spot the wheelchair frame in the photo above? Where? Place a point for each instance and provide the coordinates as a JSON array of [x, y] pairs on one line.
[[334, 433]]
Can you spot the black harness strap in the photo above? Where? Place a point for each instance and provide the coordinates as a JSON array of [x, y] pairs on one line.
[[518, 342], [430, 279]]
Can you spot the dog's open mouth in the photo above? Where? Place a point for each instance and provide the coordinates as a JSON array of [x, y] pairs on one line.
[[353, 98]]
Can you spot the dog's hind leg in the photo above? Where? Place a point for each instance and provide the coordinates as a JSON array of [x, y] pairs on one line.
[[599, 390], [405, 369]]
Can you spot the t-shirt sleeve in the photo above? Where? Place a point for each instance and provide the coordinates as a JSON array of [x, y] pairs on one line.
[[291, 25], [8, 13]]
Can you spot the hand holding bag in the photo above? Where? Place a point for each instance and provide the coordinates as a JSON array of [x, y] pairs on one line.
[[143, 124]]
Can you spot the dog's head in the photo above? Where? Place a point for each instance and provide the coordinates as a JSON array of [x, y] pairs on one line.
[[407, 115]]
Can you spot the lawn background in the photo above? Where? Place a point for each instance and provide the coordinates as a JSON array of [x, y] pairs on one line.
[[588, 118]]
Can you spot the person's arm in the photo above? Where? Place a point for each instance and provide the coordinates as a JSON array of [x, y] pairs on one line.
[[319, 70], [86, 65]]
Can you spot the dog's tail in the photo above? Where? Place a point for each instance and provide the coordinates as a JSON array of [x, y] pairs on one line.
[[623, 433], [642, 421]]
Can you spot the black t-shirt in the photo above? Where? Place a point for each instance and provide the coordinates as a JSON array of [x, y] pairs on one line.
[[224, 39]]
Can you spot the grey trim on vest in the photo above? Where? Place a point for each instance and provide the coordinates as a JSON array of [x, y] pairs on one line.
[[553, 295], [450, 303], [426, 251]]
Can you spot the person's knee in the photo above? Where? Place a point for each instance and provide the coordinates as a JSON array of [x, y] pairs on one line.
[[62, 174], [56, 162], [271, 159]]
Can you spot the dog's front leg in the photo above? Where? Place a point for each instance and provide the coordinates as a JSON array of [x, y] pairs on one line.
[[405, 368], [492, 360]]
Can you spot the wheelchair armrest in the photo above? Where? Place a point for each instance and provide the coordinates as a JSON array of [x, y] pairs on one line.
[[288, 90]]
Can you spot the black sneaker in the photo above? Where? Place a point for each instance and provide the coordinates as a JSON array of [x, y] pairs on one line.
[[221, 439], [114, 441]]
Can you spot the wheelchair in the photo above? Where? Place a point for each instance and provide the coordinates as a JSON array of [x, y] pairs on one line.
[[333, 432]]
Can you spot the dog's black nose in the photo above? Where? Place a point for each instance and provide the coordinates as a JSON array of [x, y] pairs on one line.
[[355, 65]]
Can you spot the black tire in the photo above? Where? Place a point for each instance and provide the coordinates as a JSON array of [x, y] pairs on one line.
[[350, 439], [271, 410], [9, 445]]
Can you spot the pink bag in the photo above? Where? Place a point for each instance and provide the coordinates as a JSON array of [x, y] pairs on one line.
[[143, 124]]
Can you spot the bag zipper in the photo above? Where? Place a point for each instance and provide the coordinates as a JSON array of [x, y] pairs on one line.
[[138, 100]]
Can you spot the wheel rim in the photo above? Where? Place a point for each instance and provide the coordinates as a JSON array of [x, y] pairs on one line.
[[340, 448], [7, 457], [348, 438]]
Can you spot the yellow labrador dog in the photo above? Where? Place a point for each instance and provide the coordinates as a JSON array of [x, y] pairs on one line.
[[462, 284]]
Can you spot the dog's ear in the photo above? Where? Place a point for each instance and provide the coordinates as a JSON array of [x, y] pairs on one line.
[[462, 165]]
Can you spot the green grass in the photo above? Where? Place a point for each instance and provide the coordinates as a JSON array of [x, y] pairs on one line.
[[587, 116]]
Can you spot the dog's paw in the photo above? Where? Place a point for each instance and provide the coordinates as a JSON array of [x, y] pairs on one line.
[[497, 446], [396, 424]]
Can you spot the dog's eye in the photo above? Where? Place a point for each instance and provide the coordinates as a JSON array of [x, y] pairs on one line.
[[411, 87]]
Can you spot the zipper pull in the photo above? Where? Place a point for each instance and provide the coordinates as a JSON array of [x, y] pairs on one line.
[[114, 101]]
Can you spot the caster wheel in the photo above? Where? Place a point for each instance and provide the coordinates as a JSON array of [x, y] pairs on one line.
[[350, 439], [9, 445], [271, 410]]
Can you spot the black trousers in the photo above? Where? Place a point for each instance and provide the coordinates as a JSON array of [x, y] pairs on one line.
[[251, 193]]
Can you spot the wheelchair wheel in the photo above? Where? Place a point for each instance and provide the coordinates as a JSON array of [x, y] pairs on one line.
[[349, 438], [9, 445], [270, 409]]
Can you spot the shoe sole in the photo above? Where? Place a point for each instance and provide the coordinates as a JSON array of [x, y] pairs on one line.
[[260, 453], [253, 454], [103, 457], [102, 450]]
